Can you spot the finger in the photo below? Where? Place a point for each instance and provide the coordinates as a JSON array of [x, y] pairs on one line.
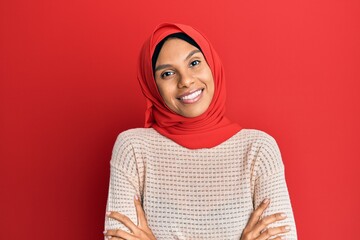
[[279, 238], [114, 238], [142, 222], [263, 223], [115, 234], [255, 215], [124, 220], [270, 232]]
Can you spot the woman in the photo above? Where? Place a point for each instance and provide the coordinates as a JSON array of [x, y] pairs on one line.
[[194, 173]]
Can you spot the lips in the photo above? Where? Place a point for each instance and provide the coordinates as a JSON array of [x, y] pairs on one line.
[[191, 97]]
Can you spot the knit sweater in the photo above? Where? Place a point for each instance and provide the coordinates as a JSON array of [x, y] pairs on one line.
[[197, 194]]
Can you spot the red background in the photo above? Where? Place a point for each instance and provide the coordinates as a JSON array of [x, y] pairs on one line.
[[68, 87]]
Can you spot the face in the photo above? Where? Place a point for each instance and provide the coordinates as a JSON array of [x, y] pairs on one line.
[[184, 78]]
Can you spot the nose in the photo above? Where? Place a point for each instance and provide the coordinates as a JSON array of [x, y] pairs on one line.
[[185, 80]]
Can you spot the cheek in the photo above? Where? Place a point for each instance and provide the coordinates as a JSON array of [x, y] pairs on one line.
[[166, 91], [212, 92], [210, 83]]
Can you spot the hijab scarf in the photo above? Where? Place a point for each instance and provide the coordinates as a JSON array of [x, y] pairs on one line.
[[205, 131]]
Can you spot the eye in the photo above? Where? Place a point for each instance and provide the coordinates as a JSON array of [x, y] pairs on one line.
[[194, 63], [166, 74]]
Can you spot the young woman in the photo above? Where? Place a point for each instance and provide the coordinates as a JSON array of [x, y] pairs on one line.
[[194, 173]]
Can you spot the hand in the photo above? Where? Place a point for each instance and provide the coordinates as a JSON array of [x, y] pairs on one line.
[[138, 232], [256, 228]]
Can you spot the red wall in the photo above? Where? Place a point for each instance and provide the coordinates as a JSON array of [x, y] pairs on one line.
[[68, 87]]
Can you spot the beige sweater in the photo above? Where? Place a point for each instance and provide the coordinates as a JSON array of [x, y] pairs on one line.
[[197, 194]]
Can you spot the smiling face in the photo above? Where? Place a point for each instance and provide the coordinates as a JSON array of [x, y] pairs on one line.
[[184, 78]]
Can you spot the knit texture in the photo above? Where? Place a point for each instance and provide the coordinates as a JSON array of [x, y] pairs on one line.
[[197, 194]]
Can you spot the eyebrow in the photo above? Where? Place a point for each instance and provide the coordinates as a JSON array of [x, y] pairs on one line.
[[168, 65]]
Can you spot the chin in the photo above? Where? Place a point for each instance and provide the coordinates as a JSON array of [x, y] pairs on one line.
[[192, 114]]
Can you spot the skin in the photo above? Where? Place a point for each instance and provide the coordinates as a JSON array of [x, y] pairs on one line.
[[256, 228], [181, 69], [139, 231]]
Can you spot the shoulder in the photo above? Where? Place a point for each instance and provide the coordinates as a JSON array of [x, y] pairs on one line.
[[263, 150], [255, 138], [137, 134], [130, 143]]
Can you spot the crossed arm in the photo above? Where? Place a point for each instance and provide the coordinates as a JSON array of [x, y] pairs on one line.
[[256, 228], [267, 221]]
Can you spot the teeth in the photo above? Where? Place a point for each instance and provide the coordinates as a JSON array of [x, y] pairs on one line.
[[191, 96]]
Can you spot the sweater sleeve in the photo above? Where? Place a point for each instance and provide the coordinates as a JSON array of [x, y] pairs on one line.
[[270, 183], [124, 182]]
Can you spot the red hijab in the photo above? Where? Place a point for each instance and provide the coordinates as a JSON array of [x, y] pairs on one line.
[[205, 131]]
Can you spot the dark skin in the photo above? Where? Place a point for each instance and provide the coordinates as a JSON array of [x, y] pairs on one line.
[[256, 228], [182, 69], [139, 231]]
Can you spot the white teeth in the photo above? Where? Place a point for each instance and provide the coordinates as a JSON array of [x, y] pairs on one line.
[[192, 96]]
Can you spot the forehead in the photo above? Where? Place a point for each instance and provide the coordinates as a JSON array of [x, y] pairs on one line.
[[175, 49]]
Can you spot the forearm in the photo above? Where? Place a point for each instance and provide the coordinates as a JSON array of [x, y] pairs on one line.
[[120, 198], [274, 188]]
